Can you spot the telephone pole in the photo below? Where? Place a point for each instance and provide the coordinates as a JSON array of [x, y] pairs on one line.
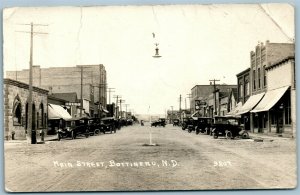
[[215, 98], [126, 110], [117, 100], [110, 91], [121, 101], [31, 133], [190, 96]]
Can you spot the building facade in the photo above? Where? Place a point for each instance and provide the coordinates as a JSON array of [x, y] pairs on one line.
[[16, 109], [68, 80], [202, 93], [264, 56], [276, 112]]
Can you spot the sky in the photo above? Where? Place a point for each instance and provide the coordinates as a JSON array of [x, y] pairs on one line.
[[197, 43]]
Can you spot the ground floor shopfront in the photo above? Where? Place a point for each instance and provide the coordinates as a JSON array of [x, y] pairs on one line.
[[274, 114]]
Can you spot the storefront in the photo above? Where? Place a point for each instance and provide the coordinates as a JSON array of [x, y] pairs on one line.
[[248, 119]]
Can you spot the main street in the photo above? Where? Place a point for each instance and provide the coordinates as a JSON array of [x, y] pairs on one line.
[[122, 162]]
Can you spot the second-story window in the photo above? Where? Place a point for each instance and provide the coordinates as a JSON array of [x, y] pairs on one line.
[[265, 77], [258, 77], [253, 76]]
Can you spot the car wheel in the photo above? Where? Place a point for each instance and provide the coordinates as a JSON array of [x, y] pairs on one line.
[[215, 135], [197, 131], [229, 135], [245, 135], [189, 130], [96, 132], [183, 128]]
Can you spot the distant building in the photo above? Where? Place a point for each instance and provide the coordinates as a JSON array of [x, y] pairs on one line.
[[68, 80], [212, 102]]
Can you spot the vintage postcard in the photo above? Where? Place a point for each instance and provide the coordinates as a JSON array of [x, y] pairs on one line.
[[147, 98]]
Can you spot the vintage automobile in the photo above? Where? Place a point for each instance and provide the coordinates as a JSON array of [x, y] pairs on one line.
[[203, 125], [94, 126], [187, 122], [159, 122], [229, 127], [74, 127], [108, 124], [176, 122]]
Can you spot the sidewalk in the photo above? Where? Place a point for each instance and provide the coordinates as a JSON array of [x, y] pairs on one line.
[[267, 137], [46, 139]]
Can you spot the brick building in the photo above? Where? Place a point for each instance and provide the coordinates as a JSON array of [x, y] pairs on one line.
[[261, 58], [16, 109], [210, 100], [202, 92], [68, 80], [276, 112]]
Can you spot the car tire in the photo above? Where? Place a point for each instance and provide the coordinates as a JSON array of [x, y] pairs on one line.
[[197, 131], [245, 135], [229, 135], [189, 130], [96, 132], [215, 135]]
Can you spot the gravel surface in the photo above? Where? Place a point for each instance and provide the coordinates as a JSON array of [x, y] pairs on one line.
[[123, 162]]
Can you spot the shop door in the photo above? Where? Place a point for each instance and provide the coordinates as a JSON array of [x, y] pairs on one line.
[[279, 125]]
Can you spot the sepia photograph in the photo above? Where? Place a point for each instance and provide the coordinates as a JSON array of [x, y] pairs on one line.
[[170, 97]]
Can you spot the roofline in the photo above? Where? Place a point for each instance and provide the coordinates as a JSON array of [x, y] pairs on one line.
[[24, 85], [280, 62], [244, 71]]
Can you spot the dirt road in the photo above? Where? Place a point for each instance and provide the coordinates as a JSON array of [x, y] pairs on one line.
[[121, 162]]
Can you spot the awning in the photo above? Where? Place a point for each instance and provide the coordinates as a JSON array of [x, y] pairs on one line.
[[57, 112], [251, 103], [236, 110], [270, 99]]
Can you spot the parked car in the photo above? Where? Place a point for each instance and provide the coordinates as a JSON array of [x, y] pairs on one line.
[[108, 124], [94, 126], [229, 127], [176, 122], [203, 125], [186, 122], [74, 127], [159, 122]]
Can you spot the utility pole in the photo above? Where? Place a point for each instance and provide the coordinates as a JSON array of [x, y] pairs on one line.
[[172, 114], [100, 82], [190, 96], [31, 134], [121, 101], [81, 84], [180, 103], [126, 110], [215, 98], [110, 91], [117, 100]]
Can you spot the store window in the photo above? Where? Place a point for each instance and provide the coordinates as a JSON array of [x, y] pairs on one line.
[[17, 112], [287, 113], [265, 77]]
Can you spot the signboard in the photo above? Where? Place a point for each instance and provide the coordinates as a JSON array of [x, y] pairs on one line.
[[72, 104], [198, 104]]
